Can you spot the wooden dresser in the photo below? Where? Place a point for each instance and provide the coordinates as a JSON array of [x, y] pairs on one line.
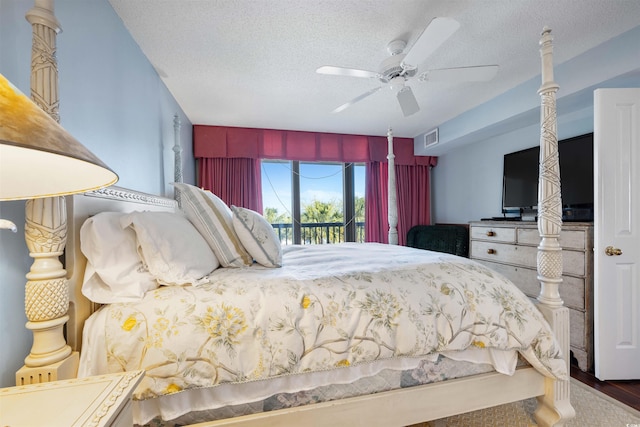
[[510, 248]]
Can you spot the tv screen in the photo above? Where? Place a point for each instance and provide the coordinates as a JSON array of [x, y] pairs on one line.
[[520, 180], [520, 177]]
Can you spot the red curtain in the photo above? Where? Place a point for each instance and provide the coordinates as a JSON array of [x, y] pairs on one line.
[[413, 195], [236, 181], [231, 142], [229, 166], [413, 189], [376, 226]]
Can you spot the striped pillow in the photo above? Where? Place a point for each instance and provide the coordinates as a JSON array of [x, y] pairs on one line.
[[213, 219]]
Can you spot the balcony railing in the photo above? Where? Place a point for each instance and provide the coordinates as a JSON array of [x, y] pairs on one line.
[[317, 232]]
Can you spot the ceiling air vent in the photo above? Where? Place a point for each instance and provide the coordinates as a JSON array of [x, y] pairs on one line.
[[431, 138]]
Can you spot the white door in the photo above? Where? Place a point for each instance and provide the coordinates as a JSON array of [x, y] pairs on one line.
[[617, 233]]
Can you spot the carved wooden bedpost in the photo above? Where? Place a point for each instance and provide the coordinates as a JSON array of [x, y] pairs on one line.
[[46, 293], [549, 196], [392, 208], [177, 161], [554, 407]]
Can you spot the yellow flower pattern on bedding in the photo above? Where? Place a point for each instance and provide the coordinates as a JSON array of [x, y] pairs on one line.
[[306, 302], [326, 308], [224, 324], [129, 324]]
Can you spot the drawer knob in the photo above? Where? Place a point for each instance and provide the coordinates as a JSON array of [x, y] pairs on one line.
[[611, 251], [491, 233], [491, 251]]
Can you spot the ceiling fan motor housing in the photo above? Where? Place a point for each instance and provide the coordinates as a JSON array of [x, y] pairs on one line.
[[392, 68]]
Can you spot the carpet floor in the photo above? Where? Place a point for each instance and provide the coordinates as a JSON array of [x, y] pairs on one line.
[[593, 409]]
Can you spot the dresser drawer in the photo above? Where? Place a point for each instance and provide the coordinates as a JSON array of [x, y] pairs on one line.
[[569, 239], [572, 289], [494, 234], [577, 332], [525, 256], [502, 252]]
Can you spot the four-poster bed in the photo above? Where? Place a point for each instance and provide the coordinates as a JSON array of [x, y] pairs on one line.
[[402, 406]]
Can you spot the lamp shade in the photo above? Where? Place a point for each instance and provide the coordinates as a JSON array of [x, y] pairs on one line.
[[38, 158]]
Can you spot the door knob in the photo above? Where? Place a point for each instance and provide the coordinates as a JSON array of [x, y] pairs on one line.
[[611, 251]]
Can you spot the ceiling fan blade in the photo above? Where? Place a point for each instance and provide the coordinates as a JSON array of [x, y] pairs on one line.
[[356, 99], [407, 101], [438, 30], [349, 72], [480, 73]]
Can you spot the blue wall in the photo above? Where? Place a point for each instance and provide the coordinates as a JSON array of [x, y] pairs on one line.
[[111, 100], [467, 182]]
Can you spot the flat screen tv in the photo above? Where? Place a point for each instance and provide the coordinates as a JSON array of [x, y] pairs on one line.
[[520, 179]]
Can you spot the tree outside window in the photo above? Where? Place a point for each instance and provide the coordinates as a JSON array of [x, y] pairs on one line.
[[314, 203]]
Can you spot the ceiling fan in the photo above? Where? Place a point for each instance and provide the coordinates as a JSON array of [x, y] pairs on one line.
[[400, 67]]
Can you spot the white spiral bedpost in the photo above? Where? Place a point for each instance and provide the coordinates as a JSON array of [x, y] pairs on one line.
[[554, 408], [177, 149], [47, 289], [392, 213]]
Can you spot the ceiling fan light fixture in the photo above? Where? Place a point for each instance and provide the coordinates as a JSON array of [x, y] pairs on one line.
[[407, 101], [396, 84]]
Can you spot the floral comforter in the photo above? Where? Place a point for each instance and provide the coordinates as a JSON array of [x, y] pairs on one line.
[[329, 306]]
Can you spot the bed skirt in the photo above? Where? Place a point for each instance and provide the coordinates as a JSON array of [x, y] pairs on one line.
[[193, 402]]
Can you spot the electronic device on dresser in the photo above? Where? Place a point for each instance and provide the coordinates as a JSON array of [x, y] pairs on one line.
[[520, 181]]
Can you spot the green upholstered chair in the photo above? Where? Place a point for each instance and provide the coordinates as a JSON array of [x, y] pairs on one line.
[[452, 239]]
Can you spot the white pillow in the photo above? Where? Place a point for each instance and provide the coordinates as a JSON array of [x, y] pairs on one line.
[[257, 236], [114, 272], [213, 219], [171, 248]]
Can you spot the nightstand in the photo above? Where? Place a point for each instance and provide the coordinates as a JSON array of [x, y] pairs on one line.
[[93, 401]]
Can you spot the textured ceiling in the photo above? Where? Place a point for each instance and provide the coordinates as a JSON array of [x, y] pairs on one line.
[[252, 63]]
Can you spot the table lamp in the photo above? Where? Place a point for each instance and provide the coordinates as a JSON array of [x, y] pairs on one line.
[[38, 158]]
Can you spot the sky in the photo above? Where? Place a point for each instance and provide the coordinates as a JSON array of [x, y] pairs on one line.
[[318, 181]]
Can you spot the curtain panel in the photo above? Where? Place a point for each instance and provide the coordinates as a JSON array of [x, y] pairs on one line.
[[413, 187], [236, 181], [376, 203], [229, 166], [413, 196]]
